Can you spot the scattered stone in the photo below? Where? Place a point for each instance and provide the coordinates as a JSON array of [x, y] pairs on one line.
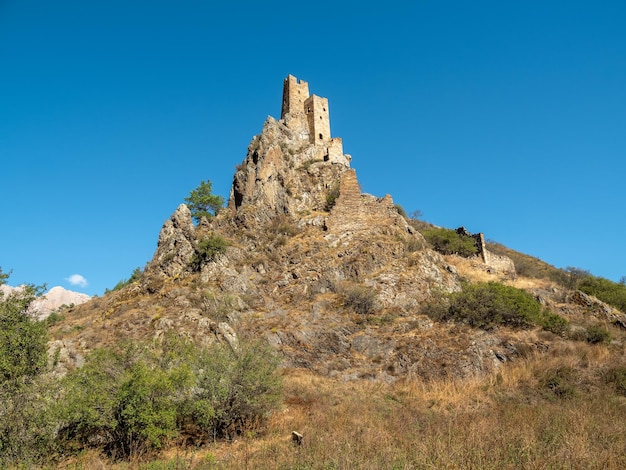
[[296, 438]]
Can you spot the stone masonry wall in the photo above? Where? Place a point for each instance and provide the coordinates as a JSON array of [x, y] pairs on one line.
[[499, 263], [316, 110], [495, 263], [307, 116], [295, 93], [356, 212]]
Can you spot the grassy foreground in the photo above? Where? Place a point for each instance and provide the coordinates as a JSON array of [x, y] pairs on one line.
[[562, 409]]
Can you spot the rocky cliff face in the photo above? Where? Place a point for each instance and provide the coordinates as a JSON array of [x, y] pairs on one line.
[[281, 175], [176, 245]]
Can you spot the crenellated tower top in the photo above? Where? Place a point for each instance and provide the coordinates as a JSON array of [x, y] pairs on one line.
[[295, 93], [308, 116]]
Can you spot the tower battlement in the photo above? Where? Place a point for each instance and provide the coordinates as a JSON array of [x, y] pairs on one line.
[[295, 93], [308, 116]]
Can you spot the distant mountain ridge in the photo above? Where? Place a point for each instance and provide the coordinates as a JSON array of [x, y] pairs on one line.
[[51, 300]]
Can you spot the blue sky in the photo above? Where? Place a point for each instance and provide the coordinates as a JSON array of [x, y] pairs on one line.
[[506, 117]]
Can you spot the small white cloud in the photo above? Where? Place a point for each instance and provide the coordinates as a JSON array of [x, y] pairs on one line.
[[77, 280]]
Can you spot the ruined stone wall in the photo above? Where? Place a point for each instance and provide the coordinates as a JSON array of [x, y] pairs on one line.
[[355, 212], [499, 264], [495, 263], [348, 204], [334, 152]]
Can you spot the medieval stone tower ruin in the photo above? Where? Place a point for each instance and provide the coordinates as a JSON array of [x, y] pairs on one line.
[[307, 116]]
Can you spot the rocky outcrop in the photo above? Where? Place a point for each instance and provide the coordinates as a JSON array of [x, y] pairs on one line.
[[281, 175], [175, 248], [300, 229], [596, 307]]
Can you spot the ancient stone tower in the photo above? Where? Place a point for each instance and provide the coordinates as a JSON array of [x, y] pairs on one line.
[[307, 115]]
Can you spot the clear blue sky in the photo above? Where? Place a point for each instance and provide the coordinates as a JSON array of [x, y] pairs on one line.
[[506, 117]]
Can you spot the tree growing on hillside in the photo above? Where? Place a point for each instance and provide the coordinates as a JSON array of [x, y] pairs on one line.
[[571, 277], [202, 202], [25, 427], [22, 339]]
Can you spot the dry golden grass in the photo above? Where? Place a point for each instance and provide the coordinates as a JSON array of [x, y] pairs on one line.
[[515, 418], [474, 269], [549, 409]]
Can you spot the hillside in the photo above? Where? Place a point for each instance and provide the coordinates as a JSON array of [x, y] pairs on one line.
[[346, 290], [335, 279]]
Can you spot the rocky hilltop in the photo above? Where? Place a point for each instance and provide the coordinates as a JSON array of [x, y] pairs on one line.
[[336, 280]]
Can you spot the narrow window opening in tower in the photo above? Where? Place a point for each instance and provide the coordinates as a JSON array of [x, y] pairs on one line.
[[320, 136]]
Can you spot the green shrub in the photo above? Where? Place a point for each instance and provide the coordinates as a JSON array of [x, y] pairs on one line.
[[208, 248], [22, 339], [360, 299], [331, 197], [27, 423], [559, 382], [612, 293], [234, 390], [118, 401], [449, 242], [401, 210], [134, 400], [616, 376], [554, 323], [571, 277], [597, 334], [485, 305], [54, 318]]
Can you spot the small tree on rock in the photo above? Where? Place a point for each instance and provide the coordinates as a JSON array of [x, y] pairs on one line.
[[202, 202]]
